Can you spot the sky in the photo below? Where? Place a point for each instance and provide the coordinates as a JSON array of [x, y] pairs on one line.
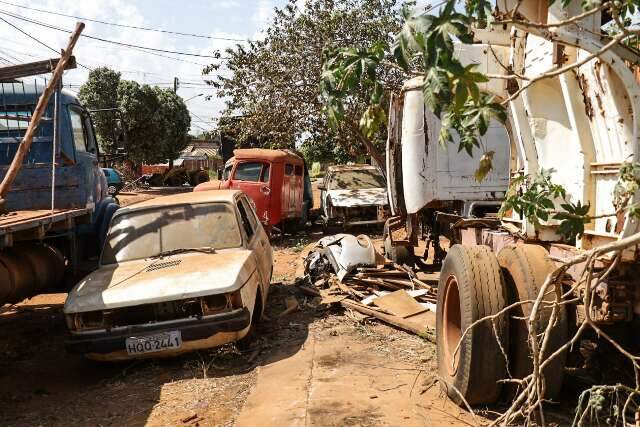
[[221, 19], [236, 19]]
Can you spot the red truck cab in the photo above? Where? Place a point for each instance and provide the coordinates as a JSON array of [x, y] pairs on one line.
[[276, 181]]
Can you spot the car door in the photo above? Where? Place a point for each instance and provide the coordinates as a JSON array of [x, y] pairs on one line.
[[253, 178], [257, 242], [265, 252], [86, 154]]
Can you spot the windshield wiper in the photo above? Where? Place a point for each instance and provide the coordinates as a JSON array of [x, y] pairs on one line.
[[203, 249]]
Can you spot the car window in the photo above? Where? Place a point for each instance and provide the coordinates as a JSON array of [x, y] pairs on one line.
[[146, 233], [106, 173], [298, 170], [288, 169], [227, 172], [251, 213], [265, 172], [248, 172], [356, 179], [78, 130], [248, 228]]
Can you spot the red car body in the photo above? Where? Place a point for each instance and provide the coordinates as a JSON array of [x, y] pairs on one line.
[[273, 179]]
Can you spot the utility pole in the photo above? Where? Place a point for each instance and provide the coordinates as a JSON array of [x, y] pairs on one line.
[[176, 83]]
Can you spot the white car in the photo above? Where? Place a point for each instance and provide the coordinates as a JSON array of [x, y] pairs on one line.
[[177, 274], [353, 195]]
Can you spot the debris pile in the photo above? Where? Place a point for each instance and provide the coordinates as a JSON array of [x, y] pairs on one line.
[[346, 269]]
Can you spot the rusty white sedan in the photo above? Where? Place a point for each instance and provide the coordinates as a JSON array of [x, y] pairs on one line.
[[177, 273]]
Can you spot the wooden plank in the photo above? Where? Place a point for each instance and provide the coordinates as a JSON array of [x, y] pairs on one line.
[[399, 303], [13, 72], [24, 220]]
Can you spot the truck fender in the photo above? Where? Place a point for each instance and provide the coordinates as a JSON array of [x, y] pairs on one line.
[[103, 225], [100, 209]]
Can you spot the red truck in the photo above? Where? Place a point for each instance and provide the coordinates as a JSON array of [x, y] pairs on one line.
[[276, 180]]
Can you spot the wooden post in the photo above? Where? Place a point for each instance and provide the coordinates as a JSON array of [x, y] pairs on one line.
[[25, 144]]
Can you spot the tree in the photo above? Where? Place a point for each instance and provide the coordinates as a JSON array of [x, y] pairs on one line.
[[100, 92], [174, 121], [274, 81], [156, 120]]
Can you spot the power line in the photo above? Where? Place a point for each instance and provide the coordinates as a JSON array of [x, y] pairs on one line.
[[53, 27], [38, 40], [126, 26]]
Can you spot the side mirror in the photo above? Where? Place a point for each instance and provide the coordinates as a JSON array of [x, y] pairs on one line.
[[219, 175]]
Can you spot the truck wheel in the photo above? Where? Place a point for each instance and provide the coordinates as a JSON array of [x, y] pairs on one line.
[[401, 255], [471, 287], [525, 269]]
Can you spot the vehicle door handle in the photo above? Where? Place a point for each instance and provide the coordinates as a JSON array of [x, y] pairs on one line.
[[265, 190]]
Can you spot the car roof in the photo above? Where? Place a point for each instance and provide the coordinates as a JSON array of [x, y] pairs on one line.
[[184, 198], [340, 168], [265, 154]]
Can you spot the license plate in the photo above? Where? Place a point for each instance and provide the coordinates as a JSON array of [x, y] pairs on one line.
[[154, 343]]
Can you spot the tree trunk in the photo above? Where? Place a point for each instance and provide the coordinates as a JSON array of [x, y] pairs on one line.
[[368, 145]]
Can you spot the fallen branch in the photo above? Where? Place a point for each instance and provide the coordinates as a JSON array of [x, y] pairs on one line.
[[388, 318]]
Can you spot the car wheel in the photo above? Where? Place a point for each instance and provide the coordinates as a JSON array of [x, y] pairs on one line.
[[112, 190], [471, 287], [244, 343]]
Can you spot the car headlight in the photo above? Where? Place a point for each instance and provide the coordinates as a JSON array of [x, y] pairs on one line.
[[86, 320]]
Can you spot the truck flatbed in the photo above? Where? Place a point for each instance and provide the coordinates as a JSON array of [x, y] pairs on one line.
[[14, 225]]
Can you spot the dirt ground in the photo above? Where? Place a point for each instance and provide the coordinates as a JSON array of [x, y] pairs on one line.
[[318, 366]]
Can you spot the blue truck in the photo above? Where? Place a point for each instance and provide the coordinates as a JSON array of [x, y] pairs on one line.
[[57, 210]]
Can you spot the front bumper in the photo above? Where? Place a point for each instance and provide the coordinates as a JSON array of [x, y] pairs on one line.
[[105, 342]]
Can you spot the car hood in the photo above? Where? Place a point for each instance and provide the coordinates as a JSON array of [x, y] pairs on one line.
[[349, 198], [156, 280]]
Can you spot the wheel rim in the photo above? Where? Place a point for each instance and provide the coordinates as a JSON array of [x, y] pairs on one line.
[[452, 324], [111, 189]]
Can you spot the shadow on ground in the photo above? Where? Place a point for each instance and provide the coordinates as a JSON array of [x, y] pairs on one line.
[[41, 384]]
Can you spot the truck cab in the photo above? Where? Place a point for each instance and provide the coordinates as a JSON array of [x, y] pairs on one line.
[[277, 181], [79, 183], [431, 187]]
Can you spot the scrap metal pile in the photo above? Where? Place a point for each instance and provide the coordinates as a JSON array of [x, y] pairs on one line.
[[347, 270]]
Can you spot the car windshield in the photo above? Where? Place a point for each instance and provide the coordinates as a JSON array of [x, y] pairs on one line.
[[149, 233], [356, 180]]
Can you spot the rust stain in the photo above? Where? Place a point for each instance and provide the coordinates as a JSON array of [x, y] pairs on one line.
[[584, 88]]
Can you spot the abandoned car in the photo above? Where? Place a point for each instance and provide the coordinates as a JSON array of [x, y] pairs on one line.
[[177, 273], [353, 195]]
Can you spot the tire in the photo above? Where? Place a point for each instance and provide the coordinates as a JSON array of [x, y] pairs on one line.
[[471, 287], [401, 255], [525, 269], [244, 343], [112, 190]]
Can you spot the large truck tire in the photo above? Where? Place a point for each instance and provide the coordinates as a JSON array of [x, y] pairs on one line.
[[471, 287], [525, 269]]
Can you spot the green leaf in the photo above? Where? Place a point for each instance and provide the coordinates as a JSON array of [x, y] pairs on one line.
[[485, 166]]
